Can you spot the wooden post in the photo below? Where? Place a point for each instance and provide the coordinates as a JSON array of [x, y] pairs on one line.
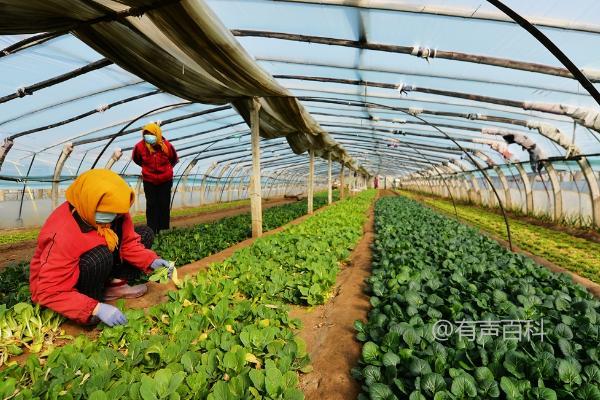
[[255, 189], [329, 189], [342, 192], [311, 180]]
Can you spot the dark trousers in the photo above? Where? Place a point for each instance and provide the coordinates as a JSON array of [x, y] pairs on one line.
[[98, 266], [158, 205]]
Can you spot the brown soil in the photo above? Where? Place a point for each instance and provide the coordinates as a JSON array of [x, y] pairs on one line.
[[329, 329], [23, 251]]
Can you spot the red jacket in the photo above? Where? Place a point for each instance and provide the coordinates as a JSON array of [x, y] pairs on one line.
[[55, 264], [157, 167]]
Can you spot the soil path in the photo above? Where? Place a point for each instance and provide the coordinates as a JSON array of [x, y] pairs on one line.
[[23, 251], [329, 329]]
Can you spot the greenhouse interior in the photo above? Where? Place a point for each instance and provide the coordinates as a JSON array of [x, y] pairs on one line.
[[299, 199]]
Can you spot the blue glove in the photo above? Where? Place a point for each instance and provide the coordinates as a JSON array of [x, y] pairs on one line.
[[110, 315], [160, 263]]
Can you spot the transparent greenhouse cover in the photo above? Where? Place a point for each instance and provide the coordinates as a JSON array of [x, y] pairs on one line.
[[355, 94]]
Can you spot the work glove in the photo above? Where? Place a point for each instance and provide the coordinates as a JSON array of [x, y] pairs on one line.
[[110, 315], [160, 263]]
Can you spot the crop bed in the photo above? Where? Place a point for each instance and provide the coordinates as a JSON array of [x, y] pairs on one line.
[[429, 269], [191, 244], [578, 255], [225, 334], [194, 243]]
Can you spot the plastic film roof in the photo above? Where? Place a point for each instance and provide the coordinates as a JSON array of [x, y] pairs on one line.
[[386, 108]]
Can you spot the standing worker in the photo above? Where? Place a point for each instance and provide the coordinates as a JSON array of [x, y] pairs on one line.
[[87, 247], [157, 157]]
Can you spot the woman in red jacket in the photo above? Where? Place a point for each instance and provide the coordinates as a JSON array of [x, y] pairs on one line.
[[157, 157], [86, 247]]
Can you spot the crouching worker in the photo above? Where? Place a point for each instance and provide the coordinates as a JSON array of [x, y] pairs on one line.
[[88, 248]]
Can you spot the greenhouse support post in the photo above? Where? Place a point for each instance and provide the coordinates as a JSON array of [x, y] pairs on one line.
[[203, 184], [527, 187], [184, 180], [505, 187], [255, 187], [215, 190], [116, 156], [590, 178], [66, 152], [342, 191], [329, 188], [557, 195], [138, 190], [240, 186], [311, 179]]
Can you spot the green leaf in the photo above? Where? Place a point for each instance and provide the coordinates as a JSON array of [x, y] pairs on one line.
[[419, 367], [543, 394], [98, 395], [568, 371], [390, 359], [587, 392], [380, 391], [370, 353], [148, 388], [416, 395], [488, 388], [273, 380], [371, 374], [257, 377], [513, 388], [432, 383], [411, 336], [463, 386], [563, 331], [220, 391], [483, 374]]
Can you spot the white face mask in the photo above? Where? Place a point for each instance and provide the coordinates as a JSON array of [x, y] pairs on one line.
[[105, 217], [150, 139]]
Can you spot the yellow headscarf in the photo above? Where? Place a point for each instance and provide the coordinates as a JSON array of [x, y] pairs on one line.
[[156, 131], [100, 190]]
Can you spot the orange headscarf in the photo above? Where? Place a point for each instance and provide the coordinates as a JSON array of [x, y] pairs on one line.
[[100, 190], [156, 131]]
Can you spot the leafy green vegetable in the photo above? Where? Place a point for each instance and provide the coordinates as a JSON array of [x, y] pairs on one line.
[[225, 334], [428, 268], [160, 276]]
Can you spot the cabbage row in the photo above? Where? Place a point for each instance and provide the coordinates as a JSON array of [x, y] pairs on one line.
[[182, 245], [224, 335], [428, 268], [186, 245]]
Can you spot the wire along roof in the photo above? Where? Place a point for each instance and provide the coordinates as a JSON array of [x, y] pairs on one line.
[[378, 84]]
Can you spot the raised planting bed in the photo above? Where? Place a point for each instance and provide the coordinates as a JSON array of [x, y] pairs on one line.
[[575, 254], [457, 316], [187, 245], [195, 243], [225, 334]]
